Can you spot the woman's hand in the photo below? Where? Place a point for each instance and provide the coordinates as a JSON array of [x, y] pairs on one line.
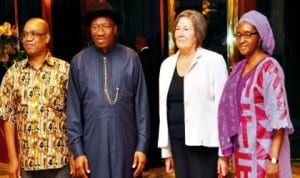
[[223, 166], [272, 170], [169, 165]]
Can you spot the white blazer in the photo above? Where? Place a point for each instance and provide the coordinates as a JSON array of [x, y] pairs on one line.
[[203, 86]]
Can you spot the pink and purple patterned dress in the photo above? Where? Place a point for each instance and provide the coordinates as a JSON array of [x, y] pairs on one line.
[[262, 107]]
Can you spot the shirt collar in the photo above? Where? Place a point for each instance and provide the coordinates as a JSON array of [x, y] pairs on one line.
[[49, 61]]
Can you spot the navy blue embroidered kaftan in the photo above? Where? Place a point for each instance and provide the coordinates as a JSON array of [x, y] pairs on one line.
[[108, 134]]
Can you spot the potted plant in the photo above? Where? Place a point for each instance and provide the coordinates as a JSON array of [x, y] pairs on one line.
[[9, 46]]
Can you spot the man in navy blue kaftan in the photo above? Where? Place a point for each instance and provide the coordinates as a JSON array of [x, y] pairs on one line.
[[108, 116]]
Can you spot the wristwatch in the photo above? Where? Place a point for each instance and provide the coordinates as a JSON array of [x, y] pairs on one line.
[[273, 160]]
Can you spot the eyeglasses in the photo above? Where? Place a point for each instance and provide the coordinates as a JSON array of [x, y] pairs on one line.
[[246, 35], [105, 28], [32, 34], [184, 29]]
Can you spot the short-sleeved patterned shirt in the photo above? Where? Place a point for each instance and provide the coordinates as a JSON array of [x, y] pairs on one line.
[[35, 99]]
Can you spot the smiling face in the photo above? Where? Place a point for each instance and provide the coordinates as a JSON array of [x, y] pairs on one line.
[[35, 37], [247, 39], [103, 31], [185, 34]]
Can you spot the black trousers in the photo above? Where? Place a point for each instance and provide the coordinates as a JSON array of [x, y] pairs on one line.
[[194, 161], [63, 172]]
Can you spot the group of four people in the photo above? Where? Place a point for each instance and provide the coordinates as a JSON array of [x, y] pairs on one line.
[[91, 118]]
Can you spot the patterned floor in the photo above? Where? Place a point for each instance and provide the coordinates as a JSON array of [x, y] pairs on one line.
[[157, 173]]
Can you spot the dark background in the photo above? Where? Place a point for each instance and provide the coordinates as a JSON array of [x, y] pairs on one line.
[[69, 35]]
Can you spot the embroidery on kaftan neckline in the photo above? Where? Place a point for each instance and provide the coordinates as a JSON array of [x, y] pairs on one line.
[[111, 102]]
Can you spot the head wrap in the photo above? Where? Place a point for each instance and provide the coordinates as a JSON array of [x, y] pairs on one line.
[[261, 23]]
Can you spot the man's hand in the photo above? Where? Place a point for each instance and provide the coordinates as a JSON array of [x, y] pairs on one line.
[[139, 162], [13, 169], [72, 164], [82, 168]]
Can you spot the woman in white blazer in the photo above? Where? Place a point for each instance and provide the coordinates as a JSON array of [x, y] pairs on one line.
[[190, 84]]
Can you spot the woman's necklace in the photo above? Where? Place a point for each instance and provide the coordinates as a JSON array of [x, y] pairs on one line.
[[111, 102]]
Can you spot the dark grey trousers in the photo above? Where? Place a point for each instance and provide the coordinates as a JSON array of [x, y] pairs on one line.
[[63, 172]]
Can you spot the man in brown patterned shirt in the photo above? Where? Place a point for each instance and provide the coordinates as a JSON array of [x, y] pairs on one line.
[[33, 94]]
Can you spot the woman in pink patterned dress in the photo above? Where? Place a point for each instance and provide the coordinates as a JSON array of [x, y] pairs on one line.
[[254, 120]]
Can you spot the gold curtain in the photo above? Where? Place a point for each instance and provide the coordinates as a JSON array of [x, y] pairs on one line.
[[232, 19]]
